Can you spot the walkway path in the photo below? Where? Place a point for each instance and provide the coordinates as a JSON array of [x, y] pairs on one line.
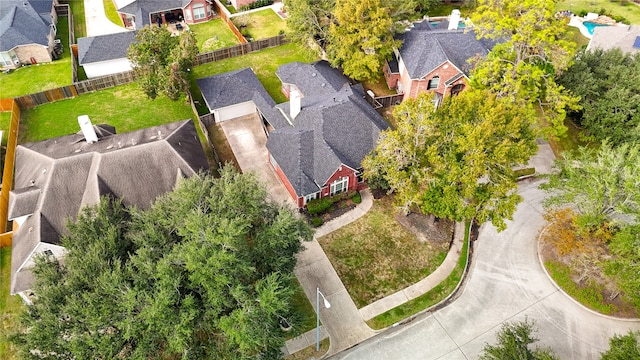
[[97, 22]]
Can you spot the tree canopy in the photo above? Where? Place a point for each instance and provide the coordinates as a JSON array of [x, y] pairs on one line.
[[361, 38], [455, 161], [513, 343], [309, 20], [623, 347], [603, 185], [531, 50], [204, 273], [162, 62], [608, 84]]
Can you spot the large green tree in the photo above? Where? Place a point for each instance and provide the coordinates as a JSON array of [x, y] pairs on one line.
[[361, 38], [532, 50], [162, 62], [204, 273], [608, 83], [455, 161], [623, 347], [514, 342], [603, 185], [309, 20]]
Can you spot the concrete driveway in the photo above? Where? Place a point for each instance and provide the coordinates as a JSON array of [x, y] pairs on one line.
[[96, 20], [248, 142], [506, 283]]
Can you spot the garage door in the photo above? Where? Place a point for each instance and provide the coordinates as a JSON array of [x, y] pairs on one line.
[[234, 111]]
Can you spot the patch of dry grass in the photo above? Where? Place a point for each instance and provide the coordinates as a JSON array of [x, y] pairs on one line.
[[376, 256]]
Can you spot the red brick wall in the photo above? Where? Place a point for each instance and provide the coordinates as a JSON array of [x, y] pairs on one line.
[[391, 78], [345, 171], [446, 71], [208, 8], [287, 184]]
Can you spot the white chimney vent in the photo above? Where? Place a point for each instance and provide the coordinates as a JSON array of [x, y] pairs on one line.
[[295, 103], [454, 19], [87, 129]]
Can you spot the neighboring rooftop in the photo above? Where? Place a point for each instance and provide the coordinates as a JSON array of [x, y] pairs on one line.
[[104, 47], [142, 8], [317, 78], [24, 22], [55, 178], [623, 37], [425, 47]]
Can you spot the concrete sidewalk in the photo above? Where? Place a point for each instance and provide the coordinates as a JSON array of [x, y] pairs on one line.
[[96, 20]]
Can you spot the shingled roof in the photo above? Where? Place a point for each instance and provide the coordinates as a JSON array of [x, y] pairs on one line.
[[142, 8], [24, 22], [426, 47], [330, 130], [238, 86], [625, 38], [104, 47], [317, 78], [55, 178]]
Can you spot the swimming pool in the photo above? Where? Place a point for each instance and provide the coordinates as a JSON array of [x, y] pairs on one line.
[[591, 25]]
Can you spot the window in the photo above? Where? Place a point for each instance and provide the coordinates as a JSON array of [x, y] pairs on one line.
[[198, 12], [457, 89], [8, 58], [339, 186], [310, 197], [433, 83], [187, 14]]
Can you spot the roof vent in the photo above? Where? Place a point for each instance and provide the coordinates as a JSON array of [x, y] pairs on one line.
[[454, 20], [87, 129]]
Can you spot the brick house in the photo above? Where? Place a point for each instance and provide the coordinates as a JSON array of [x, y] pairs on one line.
[[27, 32], [147, 12], [436, 57], [316, 141]]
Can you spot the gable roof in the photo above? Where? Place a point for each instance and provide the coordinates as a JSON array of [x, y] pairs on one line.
[[104, 47], [55, 178], [611, 37], [142, 8], [238, 86], [24, 22], [317, 78], [426, 47], [330, 131]]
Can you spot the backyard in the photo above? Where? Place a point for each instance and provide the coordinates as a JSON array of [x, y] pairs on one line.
[[35, 78], [212, 35], [5, 119], [264, 24], [79, 22], [10, 306], [624, 8], [125, 107], [376, 256]]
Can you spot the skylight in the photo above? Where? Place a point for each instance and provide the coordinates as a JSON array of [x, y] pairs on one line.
[[636, 44]]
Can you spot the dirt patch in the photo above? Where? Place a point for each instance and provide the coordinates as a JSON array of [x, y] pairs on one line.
[[441, 231]]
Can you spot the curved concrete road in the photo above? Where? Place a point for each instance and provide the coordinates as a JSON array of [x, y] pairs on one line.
[[506, 283]]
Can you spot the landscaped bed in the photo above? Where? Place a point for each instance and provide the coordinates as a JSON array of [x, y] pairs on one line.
[[125, 107], [376, 256], [35, 78], [213, 35]]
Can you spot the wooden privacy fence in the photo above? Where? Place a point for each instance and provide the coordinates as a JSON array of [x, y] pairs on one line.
[[384, 101], [226, 16], [239, 50], [7, 172]]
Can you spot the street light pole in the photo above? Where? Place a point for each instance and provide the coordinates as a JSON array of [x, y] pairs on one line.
[[326, 305]]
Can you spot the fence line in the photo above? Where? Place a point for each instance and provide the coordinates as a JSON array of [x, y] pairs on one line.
[[7, 172], [226, 16], [384, 101]]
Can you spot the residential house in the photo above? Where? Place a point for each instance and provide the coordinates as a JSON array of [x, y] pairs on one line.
[[56, 178], [623, 37], [27, 32], [105, 54], [436, 57], [139, 13], [316, 141]]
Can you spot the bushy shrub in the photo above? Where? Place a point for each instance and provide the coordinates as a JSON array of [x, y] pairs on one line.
[[318, 206], [316, 221], [356, 198]]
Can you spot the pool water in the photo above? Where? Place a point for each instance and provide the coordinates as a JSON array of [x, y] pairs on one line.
[[591, 25]]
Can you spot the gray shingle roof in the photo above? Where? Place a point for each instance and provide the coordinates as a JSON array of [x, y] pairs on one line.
[[317, 78], [104, 47], [425, 48], [137, 166], [142, 8], [610, 37], [24, 22], [239, 86]]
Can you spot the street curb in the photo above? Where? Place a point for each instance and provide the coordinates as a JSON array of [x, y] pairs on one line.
[[553, 282]]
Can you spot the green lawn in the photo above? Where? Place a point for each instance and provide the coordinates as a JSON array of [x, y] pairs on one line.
[[212, 35], [265, 24], [10, 306], [125, 107], [110, 11], [79, 23], [35, 78], [432, 297], [577, 37], [5, 120], [376, 256], [264, 63], [619, 8], [305, 316]]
